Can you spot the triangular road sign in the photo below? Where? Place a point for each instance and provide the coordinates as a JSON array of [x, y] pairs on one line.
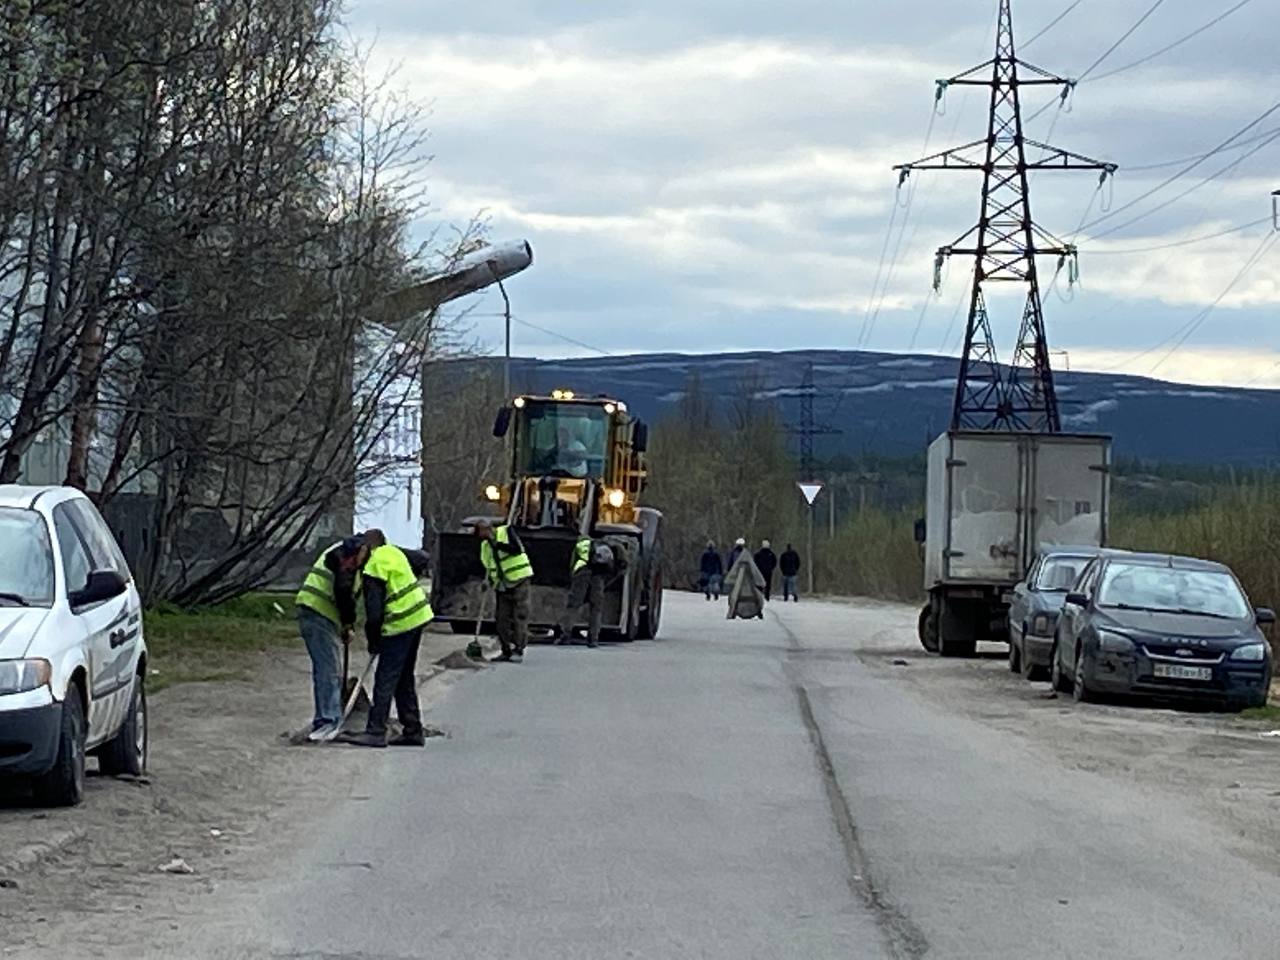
[[810, 490]]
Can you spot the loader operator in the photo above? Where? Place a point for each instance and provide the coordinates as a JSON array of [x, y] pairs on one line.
[[593, 562], [396, 610], [326, 608], [508, 571]]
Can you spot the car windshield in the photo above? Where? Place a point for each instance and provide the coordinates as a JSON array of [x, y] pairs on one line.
[[26, 562], [1059, 574], [1206, 593], [563, 439]]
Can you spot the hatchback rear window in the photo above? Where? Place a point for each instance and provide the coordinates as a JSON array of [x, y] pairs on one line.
[[26, 562]]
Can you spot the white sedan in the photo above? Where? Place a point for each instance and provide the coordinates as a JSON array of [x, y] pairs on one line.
[[72, 654]]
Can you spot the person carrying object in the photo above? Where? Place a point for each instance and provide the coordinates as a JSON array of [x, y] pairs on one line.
[[509, 571], [593, 562], [396, 610], [326, 607]]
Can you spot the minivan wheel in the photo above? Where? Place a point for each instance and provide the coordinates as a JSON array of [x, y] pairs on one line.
[[63, 785], [127, 752], [1080, 691]]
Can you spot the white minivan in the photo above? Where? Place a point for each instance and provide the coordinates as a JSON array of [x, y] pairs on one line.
[[72, 655]]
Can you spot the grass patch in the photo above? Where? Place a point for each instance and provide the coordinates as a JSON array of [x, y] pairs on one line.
[[218, 643], [1270, 713]]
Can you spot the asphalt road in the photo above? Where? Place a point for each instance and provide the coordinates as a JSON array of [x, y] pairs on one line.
[[735, 790]]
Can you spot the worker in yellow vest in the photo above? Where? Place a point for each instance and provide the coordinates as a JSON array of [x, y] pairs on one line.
[[396, 609], [326, 607], [509, 572], [592, 564]]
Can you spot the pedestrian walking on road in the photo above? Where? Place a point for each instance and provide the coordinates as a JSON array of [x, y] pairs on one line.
[[739, 545], [767, 562], [789, 565], [710, 571], [396, 609], [593, 563], [326, 607], [746, 589], [509, 571]]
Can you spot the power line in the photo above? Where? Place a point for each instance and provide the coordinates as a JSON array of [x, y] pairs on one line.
[[561, 336], [1187, 169], [1185, 193], [1263, 248], [1123, 37], [1164, 164], [1052, 23], [1177, 43], [1183, 243]]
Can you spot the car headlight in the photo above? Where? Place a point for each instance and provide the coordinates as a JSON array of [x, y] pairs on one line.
[[1251, 652], [1114, 642], [1042, 624], [20, 676]]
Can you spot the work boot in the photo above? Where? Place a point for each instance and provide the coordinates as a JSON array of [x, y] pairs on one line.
[[563, 637], [501, 658], [406, 739], [592, 644], [518, 657], [365, 739]]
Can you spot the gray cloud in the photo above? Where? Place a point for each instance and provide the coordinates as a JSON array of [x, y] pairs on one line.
[[714, 174]]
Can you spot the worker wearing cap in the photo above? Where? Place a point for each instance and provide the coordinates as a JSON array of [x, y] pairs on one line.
[[509, 571], [396, 610], [326, 607]]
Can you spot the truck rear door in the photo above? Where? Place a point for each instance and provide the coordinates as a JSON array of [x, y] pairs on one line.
[[987, 479], [1071, 479]]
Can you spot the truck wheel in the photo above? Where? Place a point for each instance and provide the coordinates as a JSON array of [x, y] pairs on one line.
[[651, 615], [63, 786], [127, 753], [956, 635], [927, 627]]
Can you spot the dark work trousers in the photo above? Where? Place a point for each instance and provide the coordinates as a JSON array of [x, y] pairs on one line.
[[395, 679], [585, 587], [513, 618], [768, 584]]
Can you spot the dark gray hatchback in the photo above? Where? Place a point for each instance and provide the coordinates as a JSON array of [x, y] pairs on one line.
[[1164, 626]]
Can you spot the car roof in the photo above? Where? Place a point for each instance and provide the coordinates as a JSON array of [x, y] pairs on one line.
[[25, 497], [1171, 560], [1065, 550]]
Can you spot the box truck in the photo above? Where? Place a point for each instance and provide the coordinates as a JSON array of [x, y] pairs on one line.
[[993, 499]]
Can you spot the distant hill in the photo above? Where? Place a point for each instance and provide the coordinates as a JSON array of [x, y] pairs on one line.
[[893, 404]]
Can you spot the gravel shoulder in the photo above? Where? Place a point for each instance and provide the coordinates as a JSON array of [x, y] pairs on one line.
[[1219, 764], [223, 791]]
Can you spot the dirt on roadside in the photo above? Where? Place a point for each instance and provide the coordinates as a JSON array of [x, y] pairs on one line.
[[223, 789], [1221, 764]]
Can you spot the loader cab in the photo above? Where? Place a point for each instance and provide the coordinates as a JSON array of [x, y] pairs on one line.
[[573, 461]]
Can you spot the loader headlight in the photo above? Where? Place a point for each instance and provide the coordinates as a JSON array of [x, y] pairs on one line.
[[518, 403], [492, 493], [610, 408], [616, 498], [20, 676]]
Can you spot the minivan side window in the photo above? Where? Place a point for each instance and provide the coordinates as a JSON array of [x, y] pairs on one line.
[[75, 559], [103, 550]]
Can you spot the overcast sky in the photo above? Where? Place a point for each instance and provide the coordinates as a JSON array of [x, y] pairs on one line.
[[705, 175]]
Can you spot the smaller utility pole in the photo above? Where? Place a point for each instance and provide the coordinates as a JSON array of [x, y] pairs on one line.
[[506, 361]]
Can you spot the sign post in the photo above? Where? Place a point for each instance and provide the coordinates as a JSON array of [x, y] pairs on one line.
[[810, 490]]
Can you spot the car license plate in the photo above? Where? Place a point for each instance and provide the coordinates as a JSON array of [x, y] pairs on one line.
[[1176, 671]]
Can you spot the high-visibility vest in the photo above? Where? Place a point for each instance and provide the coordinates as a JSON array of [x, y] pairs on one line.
[[581, 554], [511, 567], [406, 605], [317, 589]]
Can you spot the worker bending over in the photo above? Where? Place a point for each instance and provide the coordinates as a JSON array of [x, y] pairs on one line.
[[396, 610], [326, 617], [592, 564], [509, 571]]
